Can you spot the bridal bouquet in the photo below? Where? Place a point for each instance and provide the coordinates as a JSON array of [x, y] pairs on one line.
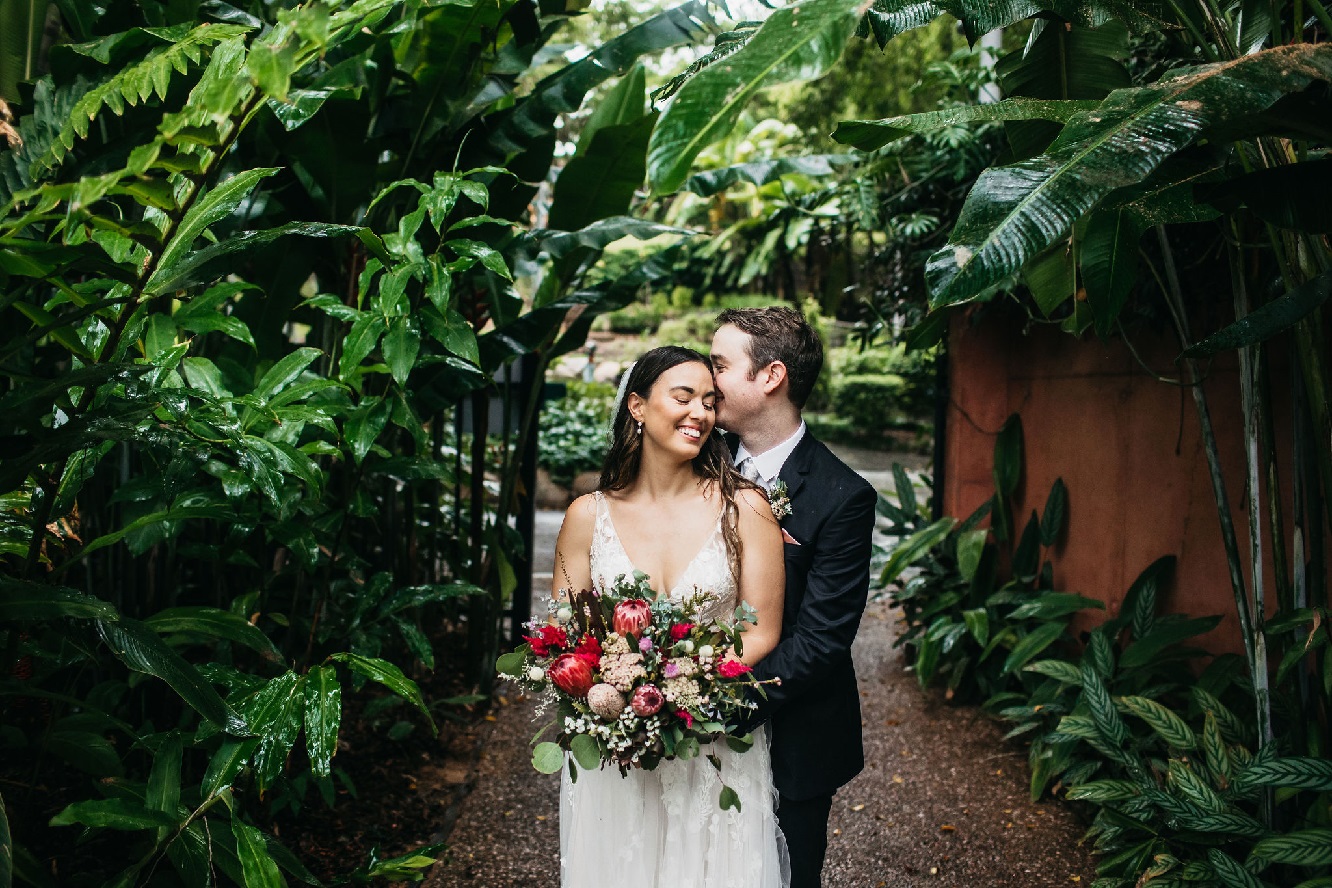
[[636, 679]]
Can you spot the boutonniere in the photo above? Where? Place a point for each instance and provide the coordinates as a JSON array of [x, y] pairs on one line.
[[779, 500]]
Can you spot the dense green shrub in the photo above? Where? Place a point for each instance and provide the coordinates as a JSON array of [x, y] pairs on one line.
[[634, 318], [869, 401], [914, 368], [575, 430]]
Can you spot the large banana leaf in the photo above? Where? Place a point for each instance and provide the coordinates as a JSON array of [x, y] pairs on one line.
[[1015, 212], [562, 92], [979, 17], [761, 172], [888, 18], [868, 135], [798, 42]]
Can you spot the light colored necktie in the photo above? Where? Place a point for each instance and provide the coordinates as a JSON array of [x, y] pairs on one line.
[[750, 471]]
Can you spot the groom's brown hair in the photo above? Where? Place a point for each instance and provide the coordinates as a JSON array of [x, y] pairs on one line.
[[779, 333]]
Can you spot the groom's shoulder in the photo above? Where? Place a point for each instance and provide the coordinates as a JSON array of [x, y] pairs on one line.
[[833, 473]]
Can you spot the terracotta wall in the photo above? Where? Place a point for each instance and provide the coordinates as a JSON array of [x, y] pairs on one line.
[[1127, 446]]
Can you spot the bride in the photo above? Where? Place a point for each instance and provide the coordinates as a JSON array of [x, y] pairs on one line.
[[671, 505]]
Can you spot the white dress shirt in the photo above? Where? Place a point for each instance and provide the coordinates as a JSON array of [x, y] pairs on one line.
[[768, 464]]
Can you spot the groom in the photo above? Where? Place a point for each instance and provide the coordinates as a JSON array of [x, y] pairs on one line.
[[765, 361]]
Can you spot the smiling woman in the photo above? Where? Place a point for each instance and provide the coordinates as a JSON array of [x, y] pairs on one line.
[[671, 506]]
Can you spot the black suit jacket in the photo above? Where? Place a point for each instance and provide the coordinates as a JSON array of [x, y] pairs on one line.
[[814, 715]]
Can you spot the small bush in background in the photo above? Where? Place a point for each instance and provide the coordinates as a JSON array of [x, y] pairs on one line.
[[575, 430]]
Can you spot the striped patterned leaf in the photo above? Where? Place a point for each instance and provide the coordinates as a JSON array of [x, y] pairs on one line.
[[1232, 729], [1103, 711], [1100, 653], [1214, 748], [1297, 773], [1187, 782], [1105, 791], [1231, 874], [1234, 824], [1060, 670], [1168, 726]]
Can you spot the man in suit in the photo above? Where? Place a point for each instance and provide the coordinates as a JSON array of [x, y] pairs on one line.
[[766, 362]]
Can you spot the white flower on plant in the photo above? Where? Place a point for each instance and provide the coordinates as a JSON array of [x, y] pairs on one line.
[[535, 673]]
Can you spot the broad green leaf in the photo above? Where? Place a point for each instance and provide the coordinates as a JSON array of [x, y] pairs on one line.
[[1268, 320], [1055, 514], [231, 757], [761, 172], [215, 623], [1053, 605], [585, 751], [868, 135], [164, 780], [602, 180], [256, 863], [117, 813], [360, 341], [513, 663], [548, 757], [285, 372], [22, 600], [1008, 456], [729, 799], [915, 547], [1015, 212], [1110, 263], [276, 714], [797, 42], [323, 717], [906, 493], [389, 676], [189, 854], [402, 342], [365, 424], [139, 648], [1165, 632], [406, 867], [970, 548], [978, 624], [175, 514], [624, 103], [1032, 644], [214, 206]]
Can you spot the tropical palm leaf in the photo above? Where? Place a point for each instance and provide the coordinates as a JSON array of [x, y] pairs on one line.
[[868, 135], [798, 42], [1015, 212]]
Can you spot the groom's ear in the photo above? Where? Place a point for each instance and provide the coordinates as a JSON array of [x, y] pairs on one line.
[[773, 376]]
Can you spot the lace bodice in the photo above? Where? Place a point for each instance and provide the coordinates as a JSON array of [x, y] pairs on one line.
[[708, 571]]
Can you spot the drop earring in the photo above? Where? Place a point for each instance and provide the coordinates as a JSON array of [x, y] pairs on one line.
[[640, 427]]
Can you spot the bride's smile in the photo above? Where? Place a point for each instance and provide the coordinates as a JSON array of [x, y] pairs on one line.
[[680, 411]]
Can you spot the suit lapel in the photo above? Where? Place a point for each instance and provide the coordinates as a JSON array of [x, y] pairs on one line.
[[798, 465]]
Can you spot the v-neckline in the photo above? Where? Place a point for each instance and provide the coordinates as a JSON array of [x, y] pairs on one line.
[[670, 593]]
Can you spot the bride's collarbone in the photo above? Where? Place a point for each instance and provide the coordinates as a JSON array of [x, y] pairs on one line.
[[663, 540]]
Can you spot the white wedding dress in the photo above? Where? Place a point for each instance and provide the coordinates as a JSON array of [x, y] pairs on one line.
[[664, 828]]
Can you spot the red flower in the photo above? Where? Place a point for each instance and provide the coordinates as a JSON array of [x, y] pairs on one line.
[[632, 616], [680, 630], [547, 637], [731, 668], [571, 674], [589, 650], [688, 719]]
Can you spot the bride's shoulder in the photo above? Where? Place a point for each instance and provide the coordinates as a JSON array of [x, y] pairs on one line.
[[580, 519], [752, 504]]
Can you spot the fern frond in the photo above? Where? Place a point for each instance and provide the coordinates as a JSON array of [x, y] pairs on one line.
[[728, 43], [136, 83]]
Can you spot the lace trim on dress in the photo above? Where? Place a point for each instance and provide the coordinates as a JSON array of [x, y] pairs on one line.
[[710, 570]]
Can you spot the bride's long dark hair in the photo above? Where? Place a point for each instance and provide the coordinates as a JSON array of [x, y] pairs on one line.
[[713, 462]]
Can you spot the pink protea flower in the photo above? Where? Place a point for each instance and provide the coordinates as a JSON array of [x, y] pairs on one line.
[[632, 617], [647, 700], [605, 701]]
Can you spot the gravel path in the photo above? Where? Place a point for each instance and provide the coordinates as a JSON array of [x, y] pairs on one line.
[[942, 802]]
